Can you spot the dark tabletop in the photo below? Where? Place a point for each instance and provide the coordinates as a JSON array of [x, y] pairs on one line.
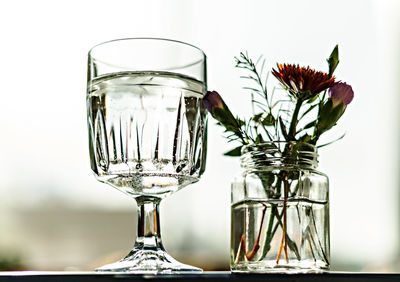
[[210, 276]]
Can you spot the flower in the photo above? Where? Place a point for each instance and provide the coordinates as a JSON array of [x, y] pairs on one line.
[[304, 83], [213, 100], [340, 93], [220, 111]]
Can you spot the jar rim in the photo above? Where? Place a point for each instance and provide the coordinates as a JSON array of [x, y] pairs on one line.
[[274, 153], [268, 144]]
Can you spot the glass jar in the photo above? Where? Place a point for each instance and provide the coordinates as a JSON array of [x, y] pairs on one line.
[[280, 210]]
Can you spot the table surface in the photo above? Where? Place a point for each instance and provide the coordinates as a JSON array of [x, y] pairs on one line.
[[33, 276]]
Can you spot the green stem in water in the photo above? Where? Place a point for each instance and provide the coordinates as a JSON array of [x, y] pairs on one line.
[[283, 245], [271, 232], [319, 241]]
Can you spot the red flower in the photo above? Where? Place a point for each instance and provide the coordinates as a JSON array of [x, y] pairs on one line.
[[303, 83]]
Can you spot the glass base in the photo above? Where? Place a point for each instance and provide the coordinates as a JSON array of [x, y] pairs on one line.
[[149, 262], [271, 267]]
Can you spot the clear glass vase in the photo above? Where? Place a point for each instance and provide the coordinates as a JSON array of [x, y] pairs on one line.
[[280, 210]]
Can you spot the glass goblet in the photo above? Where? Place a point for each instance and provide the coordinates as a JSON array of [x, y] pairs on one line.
[[147, 133]]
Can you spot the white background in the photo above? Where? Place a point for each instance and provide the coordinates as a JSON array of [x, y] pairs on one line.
[[44, 165]]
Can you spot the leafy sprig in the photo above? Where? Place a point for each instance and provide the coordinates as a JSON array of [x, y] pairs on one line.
[[303, 114]]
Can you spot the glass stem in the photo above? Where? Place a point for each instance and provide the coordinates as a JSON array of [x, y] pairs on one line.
[[148, 231]]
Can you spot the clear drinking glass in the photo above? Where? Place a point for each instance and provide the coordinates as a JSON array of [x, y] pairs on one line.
[[147, 132]]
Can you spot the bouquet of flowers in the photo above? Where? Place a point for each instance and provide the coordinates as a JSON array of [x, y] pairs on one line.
[[311, 104]]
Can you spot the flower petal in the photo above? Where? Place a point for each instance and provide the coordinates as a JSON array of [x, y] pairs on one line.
[[341, 92], [300, 80]]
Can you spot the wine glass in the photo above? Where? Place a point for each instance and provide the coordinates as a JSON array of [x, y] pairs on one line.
[[147, 133]]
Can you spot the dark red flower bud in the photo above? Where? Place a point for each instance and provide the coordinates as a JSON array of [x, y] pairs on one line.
[[213, 100]]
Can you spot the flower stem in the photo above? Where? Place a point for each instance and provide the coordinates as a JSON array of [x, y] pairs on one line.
[[319, 241], [256, 246], [270, 233], [293, 122], [283, 244], [291, 137]]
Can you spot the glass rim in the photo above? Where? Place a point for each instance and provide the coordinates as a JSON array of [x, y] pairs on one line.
[[144, 38]]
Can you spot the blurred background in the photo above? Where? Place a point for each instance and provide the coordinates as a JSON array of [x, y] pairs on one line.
[[54, 215]]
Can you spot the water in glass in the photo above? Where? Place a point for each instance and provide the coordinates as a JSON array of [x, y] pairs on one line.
[[147, 131]]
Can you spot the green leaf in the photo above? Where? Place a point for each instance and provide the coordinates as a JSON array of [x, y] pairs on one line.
[[257, 117], [259, 139], [312, 99], [328, 116], [305, 138], [240, 122], [227, 120], [333, 60], [337, 139], [269, 120], [310, 124], [236, 152]]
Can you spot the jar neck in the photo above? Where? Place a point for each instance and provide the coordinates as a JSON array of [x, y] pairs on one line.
[[278, 155]]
